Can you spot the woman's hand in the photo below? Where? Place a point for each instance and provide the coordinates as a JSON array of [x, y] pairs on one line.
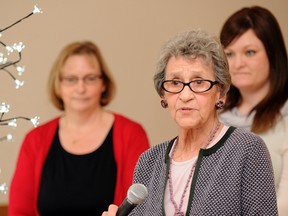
[[112, 209]]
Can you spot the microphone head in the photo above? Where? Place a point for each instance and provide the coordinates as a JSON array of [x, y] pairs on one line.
[[137, 193]]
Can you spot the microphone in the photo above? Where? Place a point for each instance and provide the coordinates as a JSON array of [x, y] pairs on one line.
[[136, 194]]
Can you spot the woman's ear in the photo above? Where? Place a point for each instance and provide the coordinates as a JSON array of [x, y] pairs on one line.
[[163, 102], [223, 98], [220, 102]]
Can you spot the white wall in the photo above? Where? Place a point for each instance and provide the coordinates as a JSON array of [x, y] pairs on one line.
[[129, 33]]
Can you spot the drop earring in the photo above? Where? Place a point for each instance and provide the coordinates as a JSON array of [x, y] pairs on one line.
[[219, 105], [164, 104]]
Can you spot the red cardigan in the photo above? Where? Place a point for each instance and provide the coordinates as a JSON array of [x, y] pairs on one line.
[[129, 139]]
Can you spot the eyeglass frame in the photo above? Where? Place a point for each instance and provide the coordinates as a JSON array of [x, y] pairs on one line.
[[76, 79], [212, 83]]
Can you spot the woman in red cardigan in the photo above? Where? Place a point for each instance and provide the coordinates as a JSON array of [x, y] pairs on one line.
[[80, 162]]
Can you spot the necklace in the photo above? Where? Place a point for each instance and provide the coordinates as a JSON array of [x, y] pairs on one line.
[[178, 211]]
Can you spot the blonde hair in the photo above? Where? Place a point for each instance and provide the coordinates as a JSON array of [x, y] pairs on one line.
[[79, 48]]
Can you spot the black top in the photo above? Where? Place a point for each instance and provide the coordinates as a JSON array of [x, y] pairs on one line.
[[77, 184]]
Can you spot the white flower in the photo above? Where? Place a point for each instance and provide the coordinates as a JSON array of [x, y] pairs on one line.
[[13, 123], [19, 47], [20, 70], [37, 9], [4, 108], [35, 121], [19, 83]]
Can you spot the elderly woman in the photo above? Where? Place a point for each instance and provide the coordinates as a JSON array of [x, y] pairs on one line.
[[208, 168]]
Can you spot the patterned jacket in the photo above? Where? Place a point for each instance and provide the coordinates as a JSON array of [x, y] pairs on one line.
[[233, 177]]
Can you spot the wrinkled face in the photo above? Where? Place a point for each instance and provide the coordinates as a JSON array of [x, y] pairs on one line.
[[248, 62], [188, 109], [81, 84]]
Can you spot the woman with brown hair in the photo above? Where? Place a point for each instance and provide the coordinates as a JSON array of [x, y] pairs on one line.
[[258, 97]]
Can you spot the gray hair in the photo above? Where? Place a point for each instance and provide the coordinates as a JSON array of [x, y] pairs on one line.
[[191, 45]]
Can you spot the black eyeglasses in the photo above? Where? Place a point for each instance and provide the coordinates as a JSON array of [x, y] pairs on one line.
[[196, 86]]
